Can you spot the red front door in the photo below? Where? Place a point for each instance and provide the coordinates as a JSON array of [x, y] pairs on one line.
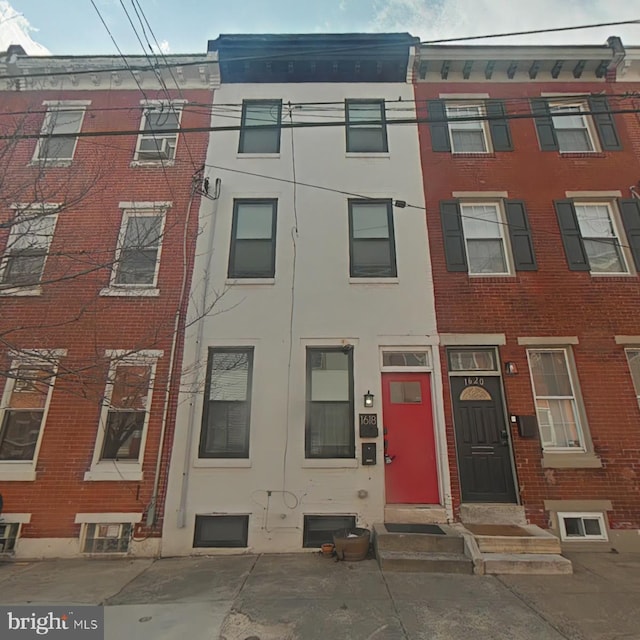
[[410, 453]]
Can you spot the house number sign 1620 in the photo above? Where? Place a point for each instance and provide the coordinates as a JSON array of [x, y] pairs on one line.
[[473, 381]]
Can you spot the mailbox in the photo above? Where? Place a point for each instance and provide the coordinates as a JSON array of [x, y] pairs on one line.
[[369, 455], [527, 426]]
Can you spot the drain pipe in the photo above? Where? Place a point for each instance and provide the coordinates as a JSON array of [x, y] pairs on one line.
[[186, 465], [151, 512]]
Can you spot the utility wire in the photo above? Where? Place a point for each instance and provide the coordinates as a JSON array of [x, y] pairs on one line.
[[332, 50]]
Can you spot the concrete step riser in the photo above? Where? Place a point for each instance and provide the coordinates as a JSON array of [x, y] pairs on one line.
[[419, 542], [492, 514], [528, 565], [425, 565], [519, 545], [414, 515]]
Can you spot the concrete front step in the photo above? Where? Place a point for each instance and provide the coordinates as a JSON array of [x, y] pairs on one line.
[[450, 542], [492, 513], [415, 513], [514, 539], [420, 562], [526, 563]]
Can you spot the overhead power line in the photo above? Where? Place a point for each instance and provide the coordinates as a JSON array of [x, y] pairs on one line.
[[308, 125], [313, 51]]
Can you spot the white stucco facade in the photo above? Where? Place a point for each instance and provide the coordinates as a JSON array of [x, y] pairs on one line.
[[311, 301]]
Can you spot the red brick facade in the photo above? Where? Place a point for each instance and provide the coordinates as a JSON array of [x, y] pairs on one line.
[[550, 301], [71, 314]]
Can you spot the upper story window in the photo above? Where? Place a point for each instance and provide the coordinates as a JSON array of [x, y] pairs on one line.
[[555, 399], [23, 409], [27, 249], [227, 404], [62, 120], [253, 239], [366, 126], [138, 254], [572, 125], [260, 126], [487, 238], [467, 135], [633, 356], [158, 137], [592, 237], [469, 126], [372, 247]]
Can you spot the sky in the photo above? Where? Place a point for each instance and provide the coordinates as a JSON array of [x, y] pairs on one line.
[[73, 27]]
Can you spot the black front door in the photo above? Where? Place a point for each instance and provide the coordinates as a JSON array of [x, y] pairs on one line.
[[484, 459]]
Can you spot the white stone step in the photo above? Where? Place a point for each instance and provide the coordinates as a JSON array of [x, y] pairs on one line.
[[514, 539], [492, 513], [526, 563], [415, 513]]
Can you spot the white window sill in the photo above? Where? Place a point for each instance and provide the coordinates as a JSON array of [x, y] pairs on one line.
[[114, 292], [152, 163], [330, 463], [367, 154], [570, 460], [234, 281], [19, 291], [17, 471], [51, 162], [392, 280], [226, 463], [257, 156], [491, 275], [622, 274], [117, 472], [486, 154]]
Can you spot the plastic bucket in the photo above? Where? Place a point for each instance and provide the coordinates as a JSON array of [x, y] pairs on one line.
[[352, 544]]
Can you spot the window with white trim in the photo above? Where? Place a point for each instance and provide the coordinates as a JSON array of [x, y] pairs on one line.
[[572, 127], [107, 537], [24, 407], [158, 139], [366, 126], [138, 255], [582, 526], [600, 237], [467, 136], [633, 357], [483, 225], [27, 249], [555, 399], [63, 121], [8, 536]]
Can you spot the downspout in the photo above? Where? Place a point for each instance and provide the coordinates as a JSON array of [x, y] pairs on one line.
[[181, 520], [151, 513]]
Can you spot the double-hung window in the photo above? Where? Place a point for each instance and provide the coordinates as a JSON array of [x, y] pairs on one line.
[[366, 126], [253, 239], [467, 128], [633, 356], [330, 403], [487, 238], [61, 124], [158, 136], [27, 249], [571, 125], [227, 404], [555, 400], [138, 255], [372, 245], [260, 126], [594, 238], [23, 410]]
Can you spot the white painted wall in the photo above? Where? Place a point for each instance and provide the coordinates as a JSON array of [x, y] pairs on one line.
[[313, 304]]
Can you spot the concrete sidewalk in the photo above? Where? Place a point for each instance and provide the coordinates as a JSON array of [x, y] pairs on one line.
[[307, 597]]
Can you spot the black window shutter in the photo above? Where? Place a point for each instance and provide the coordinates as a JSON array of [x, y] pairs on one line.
[[438, 126], [454, 249], [524, 256], [544, 125], [630, 212], [499, 126], [607, 132], [571, 238]]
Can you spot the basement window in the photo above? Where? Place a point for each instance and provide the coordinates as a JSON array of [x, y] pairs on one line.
[[318, 530], [8, 536], [107, 537], [221, 531], [582, 526]]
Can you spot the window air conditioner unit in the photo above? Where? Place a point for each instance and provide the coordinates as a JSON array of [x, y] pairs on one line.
[[156, 148]]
